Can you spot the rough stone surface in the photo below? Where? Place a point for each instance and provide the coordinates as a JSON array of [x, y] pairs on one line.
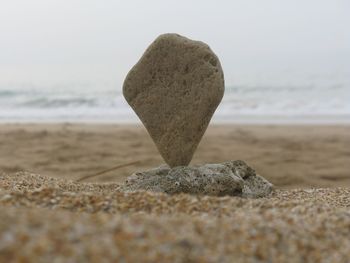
[[175, 89], [233, 178]]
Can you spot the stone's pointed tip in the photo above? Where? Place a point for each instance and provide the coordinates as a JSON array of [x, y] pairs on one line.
[[175, 89]]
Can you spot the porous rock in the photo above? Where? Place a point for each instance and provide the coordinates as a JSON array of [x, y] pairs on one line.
[[234, 178], [174, 89]]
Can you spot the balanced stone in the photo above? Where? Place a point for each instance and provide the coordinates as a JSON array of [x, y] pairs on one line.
[[234, 178], [175, 89]]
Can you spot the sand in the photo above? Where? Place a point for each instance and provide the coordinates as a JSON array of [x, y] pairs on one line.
[[57, 220], [46, 216], [288, 156]]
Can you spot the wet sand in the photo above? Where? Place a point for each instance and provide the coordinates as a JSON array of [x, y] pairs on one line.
[[289, 156]]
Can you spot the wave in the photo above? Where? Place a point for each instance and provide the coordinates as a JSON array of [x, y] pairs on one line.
[[59, 102], [80, 103]]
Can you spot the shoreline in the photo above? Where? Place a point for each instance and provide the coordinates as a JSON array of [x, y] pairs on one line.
[[242, 119]]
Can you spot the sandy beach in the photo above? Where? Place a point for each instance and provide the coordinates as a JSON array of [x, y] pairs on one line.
[[46, 214], [247, 102], [289, 156], [56, 220]]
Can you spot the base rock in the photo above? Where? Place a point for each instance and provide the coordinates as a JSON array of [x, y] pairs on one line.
[[234, 178]]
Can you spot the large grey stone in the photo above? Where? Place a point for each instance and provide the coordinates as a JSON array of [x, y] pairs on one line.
[[233, 178], [174, 89]]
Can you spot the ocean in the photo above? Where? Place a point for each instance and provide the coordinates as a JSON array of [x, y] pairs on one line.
[[105, 103]]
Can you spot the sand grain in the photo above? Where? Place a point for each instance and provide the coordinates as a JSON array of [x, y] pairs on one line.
[[45, 218]]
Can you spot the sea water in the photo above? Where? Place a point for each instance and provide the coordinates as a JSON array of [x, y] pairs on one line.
[[241, 103]]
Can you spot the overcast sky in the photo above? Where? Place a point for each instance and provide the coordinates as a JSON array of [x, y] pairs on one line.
[[85, 41]]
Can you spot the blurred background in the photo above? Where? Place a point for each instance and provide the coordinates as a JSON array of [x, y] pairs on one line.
[[284, 61]]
